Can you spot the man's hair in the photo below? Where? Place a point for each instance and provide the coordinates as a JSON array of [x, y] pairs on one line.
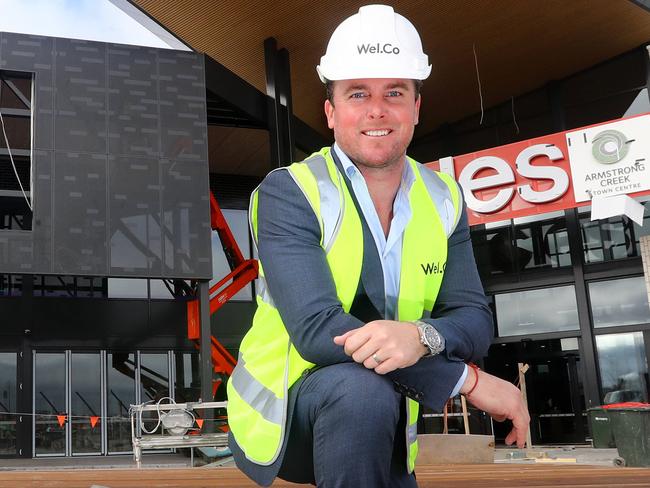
[[329, 89]]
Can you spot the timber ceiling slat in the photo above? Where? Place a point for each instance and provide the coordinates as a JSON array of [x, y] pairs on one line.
[[520, 44]]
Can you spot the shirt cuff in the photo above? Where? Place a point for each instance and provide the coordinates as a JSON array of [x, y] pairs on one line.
[[461, 380]]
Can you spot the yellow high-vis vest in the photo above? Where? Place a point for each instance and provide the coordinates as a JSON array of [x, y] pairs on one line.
[[268, 362]]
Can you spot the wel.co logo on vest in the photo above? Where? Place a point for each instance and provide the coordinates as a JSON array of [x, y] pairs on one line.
[[433, 268], [554, 172]]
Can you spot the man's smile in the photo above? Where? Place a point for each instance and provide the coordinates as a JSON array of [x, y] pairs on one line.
[[376, 132]]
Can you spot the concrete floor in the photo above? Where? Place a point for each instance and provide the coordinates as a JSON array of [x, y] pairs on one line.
[[539, 454]]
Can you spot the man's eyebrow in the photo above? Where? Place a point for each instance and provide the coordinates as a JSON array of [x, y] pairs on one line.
[[399, 84], [356, 87], [360, 86]]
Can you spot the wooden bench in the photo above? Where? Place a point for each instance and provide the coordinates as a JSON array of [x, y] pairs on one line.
[[434, 476]]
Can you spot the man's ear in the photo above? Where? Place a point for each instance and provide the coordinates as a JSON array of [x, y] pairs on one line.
[[329, 113], [416, 117]]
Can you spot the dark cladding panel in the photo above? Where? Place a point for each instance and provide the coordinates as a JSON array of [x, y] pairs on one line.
[[34, 54], [186, 220], [42, 223], [182, 106], [104, 114], [132, 101], [80, 97], [134, 199], [80, 214], [16, 251]]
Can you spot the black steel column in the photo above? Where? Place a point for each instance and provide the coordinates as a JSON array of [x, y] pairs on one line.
[[587, 349], [279, 104], [24, 373], [587, 345], [286, 104], [205, 352], [273, 103]]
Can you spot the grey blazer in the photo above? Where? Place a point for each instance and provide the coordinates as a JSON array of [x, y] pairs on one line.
[[294, 262]]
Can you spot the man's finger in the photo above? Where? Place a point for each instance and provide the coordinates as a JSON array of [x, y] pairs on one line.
[[386, 366], [365, 352], [340, 340], [355, 341], [517, 436], [511, 437], [521, 425]]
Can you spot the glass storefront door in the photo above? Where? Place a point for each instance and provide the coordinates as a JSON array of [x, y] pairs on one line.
[[50, 405], [82, 399], [86, 403], [8, 403], [623, 367], [553, 387], [120, 394]]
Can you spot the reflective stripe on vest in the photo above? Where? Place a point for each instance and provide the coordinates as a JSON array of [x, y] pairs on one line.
[[269, 364], [256, 394]]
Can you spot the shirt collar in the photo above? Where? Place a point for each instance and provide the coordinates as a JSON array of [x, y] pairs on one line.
[[350, 169]]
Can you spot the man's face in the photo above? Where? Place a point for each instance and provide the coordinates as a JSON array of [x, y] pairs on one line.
[[373, 119]]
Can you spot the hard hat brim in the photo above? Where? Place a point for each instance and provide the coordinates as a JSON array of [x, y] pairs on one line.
[[363, 72]]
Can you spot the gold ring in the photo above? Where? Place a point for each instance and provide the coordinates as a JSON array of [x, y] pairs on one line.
[[376, 358]]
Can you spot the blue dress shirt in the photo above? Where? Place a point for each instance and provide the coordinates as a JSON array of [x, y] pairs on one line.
[[389, 248]]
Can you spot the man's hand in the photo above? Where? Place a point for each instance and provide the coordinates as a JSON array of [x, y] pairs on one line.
[[501, 400], [383, 345]]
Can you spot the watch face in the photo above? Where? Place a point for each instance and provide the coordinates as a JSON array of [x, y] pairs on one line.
[[431, 336], [433, 339]]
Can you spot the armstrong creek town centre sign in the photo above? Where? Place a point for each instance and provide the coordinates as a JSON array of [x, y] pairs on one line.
[[554, 172]]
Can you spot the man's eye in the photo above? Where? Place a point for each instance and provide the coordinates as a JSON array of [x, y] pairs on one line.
[[394, 93], [358, 95]]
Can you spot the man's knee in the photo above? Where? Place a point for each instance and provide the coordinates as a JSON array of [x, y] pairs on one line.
[[361, 392]]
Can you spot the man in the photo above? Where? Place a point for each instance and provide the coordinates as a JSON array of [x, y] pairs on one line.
[[369, 301]]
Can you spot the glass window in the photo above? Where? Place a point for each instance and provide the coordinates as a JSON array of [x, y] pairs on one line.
[[613, 238], [159, 289], [127, 288], [238, 223], [522, 245], [619, 302], [86, 402], [8, 369], [553, 384], [154, 376], [50, 403], [120, 394], [188, 377], [154, 384], [11, 285], [623, 367], [15, 150], [537, 311], [69, 286]]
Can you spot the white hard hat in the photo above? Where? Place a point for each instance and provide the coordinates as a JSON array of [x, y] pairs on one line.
[[374, 43]]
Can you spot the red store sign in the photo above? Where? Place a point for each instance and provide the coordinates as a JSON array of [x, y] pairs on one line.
[[524, 178]]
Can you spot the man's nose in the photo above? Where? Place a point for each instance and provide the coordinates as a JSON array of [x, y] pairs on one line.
[[376, 109]]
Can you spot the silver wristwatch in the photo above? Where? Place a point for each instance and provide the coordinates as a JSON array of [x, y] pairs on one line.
[[430, 337]]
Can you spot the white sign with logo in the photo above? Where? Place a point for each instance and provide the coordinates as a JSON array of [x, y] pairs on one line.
[[610, 159]]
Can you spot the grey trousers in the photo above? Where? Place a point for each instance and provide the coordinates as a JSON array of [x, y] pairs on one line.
[[347, 430]]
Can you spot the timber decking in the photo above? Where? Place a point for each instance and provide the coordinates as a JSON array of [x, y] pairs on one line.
[[441, 476]]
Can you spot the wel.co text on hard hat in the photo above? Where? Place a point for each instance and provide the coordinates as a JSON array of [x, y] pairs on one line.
[[377, 48], [553, 172]]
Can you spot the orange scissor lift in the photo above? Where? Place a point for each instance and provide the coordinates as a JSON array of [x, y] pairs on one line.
[[242, 272]]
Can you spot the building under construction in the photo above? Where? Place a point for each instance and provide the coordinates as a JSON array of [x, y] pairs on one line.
[[109, 241]]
